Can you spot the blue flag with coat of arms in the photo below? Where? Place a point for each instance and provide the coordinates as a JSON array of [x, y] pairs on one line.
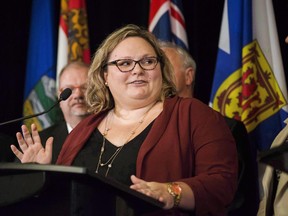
[[249, 80], [40, 87]]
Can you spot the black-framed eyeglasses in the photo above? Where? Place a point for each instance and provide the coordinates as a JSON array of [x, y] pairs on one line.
[[127, 65]]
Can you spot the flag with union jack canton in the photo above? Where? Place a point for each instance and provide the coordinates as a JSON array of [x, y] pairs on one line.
[[249, 80], [167, 23]]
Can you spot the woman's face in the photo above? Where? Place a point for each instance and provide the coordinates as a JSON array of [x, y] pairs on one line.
[[137, 85]]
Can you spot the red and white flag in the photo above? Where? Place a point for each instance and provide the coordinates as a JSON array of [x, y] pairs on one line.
[[73, 37]]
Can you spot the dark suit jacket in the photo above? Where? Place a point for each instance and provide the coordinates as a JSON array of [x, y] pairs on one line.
[[246, 199], [59, 132], [6, 154]]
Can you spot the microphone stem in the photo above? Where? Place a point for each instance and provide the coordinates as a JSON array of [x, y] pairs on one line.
[[30, 116]]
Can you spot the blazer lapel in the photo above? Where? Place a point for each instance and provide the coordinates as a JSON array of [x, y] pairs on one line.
[[158, 128]]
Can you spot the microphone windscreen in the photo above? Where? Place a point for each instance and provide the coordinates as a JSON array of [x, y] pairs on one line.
[[65, 94]]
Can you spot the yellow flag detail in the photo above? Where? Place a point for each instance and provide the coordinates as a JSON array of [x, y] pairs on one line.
[[28, 110], [251, 93]]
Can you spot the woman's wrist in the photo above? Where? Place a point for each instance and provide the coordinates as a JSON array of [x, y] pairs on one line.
[[175, 190]]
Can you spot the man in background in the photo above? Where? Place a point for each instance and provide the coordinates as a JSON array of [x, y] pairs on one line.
[[74, 76], [74, 109], [246, 198]]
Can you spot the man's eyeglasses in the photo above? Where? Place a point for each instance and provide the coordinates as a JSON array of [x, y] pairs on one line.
[[82, 88], [127, 65]]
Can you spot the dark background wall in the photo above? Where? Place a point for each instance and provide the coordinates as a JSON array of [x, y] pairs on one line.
[[203, 19]]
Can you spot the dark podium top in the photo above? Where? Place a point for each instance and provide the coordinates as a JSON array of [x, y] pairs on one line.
[[34, 189]]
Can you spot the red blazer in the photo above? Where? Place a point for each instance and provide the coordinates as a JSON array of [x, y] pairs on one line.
[[188, 142]]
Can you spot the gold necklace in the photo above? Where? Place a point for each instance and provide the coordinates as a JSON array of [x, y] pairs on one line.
[[110, 161]]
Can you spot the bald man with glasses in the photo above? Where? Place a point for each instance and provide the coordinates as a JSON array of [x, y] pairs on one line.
[[74, 76]]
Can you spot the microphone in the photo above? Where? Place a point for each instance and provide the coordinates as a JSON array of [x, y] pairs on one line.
[[63, 96]]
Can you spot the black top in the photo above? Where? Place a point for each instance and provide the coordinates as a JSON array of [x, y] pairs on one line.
[[124, 164]]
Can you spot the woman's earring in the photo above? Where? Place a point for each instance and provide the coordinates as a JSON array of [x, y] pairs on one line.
[[106, 83]]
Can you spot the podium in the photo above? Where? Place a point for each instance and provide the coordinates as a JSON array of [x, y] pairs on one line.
[[34, 189]]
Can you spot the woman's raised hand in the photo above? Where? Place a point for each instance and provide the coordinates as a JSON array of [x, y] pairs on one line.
[[31, 148]]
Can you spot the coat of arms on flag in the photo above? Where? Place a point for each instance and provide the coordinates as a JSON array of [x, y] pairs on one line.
[[249, 81], [250, 94], [40, 88]]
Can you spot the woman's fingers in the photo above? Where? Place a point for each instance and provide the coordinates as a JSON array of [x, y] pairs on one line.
[[22, 143], [49, 144], [136, 180], [155, 190], [141, 186], [30, 146], [17, 153], [35, 134], [26, 135]]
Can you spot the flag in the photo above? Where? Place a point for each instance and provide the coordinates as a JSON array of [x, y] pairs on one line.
[[249, 81], [39, 92], [167, 23], [73, 36]]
